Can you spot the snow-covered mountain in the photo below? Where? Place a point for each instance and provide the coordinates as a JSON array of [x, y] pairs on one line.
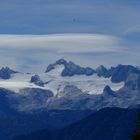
[[65, 85], [54, 80]]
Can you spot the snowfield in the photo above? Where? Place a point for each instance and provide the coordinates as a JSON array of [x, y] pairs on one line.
[[56, 83]]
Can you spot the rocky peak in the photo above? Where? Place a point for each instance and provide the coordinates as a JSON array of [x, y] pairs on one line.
[[61, 62], [5, 72], [121, 72], [36, 80], [133, 82], [108, 91], [58, 62], [70, 90], [50, 67], [72, 69], [102, 71]]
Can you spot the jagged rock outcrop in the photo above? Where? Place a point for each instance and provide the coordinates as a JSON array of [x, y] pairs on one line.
[[103, 71], [29, 99], [133, 82], [5, 72], [36, 80], [108, 91], [58, 62], [121, 72], [71, 69], [69, 91]]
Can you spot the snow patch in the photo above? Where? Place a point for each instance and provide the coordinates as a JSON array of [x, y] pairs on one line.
[[56, 83], [89, 84]]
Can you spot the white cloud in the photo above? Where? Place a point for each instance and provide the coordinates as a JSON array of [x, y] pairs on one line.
[[32, 53], [62, 43]]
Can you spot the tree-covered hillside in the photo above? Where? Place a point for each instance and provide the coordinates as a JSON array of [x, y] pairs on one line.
[[136, 135]]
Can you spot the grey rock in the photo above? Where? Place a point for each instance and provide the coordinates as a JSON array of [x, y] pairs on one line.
[[36, 80], [5, 73], [102, 71], [121, 72]]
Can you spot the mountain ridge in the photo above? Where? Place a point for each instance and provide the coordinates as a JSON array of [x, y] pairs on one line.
[[76, 91], [108, 123], [51, 100]]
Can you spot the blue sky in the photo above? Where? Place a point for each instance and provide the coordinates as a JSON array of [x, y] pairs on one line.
[[82, 16], [113, 25]]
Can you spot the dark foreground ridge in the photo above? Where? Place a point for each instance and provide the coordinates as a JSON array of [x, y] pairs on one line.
[[106, 124]]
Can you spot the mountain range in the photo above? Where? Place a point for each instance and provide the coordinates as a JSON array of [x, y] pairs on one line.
[[64, 93]]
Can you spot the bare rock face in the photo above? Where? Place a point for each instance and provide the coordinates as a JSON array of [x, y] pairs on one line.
[[36, 80], [108, 91], [121, 72], [70, 91], [58, 62], [133, 82], [70, 68], [61, 62], [5, 73], [102, 71], [32, 99]]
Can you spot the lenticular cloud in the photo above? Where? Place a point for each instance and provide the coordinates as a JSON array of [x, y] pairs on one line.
[[63, 43]]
